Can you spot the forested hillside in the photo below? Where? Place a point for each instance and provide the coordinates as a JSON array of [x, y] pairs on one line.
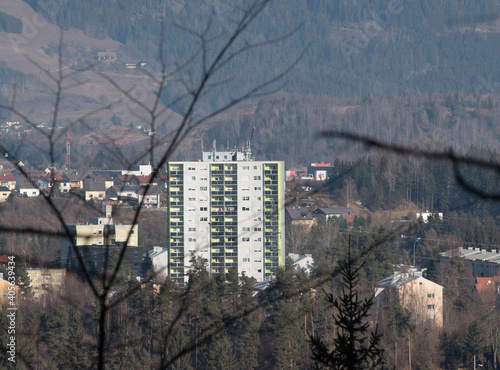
[[351, 48]]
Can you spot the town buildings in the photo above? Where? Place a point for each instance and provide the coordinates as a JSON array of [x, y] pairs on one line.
[[227, 209]]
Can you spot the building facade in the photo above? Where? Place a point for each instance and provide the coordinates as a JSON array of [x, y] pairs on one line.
[[96, 241], [419, 295], [229, 210]]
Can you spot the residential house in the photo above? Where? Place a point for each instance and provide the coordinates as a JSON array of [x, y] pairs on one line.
[[4, 193], [122, 193], [8, 179], [45, 281], [105, 178], [95, 190], [343, 214], [151, 198], [300, 216], [422, 297], [76, 179], [123, 180], [144, 181], [303, 262], [26, 187], [488, 288]]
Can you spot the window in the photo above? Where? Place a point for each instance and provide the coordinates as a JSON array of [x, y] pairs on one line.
[[132, 232], [203, 188], [257, 240], [257, 229], [192, 229], [245, 209], [192, 199], [259, 198], [245, 198], [191, 209], [136, 254], [191, 168], [256, 188], [100, 232], [191, 189], [203, 208], [203, 218], [246, 259], [258, 219], [193, 178], [254, 167], [246, 167], [94, 232], [192, 239], [430, 295], [256, 177], [203, 178], [430, 306], [245, 229], [245, 239]]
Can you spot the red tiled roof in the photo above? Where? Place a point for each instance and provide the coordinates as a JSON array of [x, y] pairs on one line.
[[145, 179], [7, 177], [487, 286]]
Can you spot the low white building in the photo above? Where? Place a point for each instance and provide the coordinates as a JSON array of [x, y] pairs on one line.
[[303, 262], [158, 257]]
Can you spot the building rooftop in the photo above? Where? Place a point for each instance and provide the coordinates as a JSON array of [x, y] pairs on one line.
[[473, 254]]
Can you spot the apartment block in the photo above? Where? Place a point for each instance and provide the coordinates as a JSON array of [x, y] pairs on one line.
[[95, 240], [229, 210]]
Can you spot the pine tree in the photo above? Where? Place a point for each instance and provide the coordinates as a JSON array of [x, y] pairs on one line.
[[353, 348]]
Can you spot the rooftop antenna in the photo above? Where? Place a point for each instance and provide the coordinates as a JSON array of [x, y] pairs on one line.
[[68, 151], [248, 148]]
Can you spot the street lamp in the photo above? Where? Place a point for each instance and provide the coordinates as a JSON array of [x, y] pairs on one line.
[[414, 244]]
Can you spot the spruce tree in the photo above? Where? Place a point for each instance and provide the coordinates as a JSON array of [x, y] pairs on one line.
[[353, 347]]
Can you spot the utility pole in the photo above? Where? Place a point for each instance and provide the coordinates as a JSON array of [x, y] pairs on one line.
[[414, 244]]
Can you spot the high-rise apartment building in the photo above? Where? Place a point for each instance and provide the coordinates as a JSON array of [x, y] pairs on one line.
[[229, 210]]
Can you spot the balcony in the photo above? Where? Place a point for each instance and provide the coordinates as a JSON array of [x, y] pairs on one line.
[[180, 213], [178, 182], [178, 223], [177, 264]]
